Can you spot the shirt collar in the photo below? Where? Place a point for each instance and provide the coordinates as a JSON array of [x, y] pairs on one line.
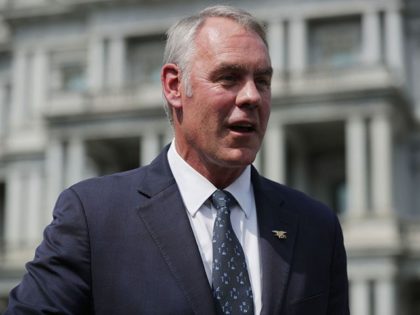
[[241, 189], [195, 189]]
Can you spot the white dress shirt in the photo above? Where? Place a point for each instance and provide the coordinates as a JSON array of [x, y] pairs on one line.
[[195, 191]]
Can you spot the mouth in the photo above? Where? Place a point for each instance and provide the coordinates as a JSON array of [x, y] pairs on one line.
[[242, 127]]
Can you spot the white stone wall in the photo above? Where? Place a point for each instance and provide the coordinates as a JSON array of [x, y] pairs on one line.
[[45, 144]]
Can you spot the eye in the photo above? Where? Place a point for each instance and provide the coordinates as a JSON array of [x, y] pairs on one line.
[[263, 82], [228, 79]]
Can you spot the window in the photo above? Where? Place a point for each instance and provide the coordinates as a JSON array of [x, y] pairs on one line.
[[412, 296], [144, 60], [334, 42], [73, 78], [68, 71], [112, 155]]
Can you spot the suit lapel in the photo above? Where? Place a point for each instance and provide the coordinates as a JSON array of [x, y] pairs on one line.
[[276, 253], [164, 215]]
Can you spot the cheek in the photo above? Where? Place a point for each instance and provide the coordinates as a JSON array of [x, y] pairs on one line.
[[214, 112], [265, 111], [202, 120]]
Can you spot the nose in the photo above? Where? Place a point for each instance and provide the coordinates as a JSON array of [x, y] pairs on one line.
[[248, 95]]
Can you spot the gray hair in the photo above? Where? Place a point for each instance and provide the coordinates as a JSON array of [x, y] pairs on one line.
[[180, 43]]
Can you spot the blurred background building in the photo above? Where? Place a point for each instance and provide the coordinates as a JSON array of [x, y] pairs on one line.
[[80, 97]]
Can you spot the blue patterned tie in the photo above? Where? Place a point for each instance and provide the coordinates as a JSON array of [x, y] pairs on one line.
[[231, 286]]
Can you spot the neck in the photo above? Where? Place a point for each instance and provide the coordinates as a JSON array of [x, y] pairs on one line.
[[220, 175]]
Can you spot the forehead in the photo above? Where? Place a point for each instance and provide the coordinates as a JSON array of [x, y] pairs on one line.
[[223, 37]]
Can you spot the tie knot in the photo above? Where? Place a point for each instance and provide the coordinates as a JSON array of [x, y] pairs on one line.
[[222, 199]]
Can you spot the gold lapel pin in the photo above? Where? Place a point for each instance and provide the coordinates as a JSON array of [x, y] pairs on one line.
[[280, 234]]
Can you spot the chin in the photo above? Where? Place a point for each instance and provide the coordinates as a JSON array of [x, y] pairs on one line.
[[241, 157]]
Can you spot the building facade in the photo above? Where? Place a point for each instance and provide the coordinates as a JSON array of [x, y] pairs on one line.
[[80, 97]]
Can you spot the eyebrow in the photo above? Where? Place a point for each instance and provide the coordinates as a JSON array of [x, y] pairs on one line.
[[265, 71], [241, 68]]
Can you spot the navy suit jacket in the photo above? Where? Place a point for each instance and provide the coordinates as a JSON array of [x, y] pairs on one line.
[[123, 244]]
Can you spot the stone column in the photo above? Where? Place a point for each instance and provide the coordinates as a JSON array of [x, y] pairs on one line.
[[276, 42], [96, 63], [19, 88], [297, 45], [30, 77], [55, 175], [356, 166], [13, 213], [385, 297], [33, 215], [371, 34], [359, 297], [76, 155], [381, 164], [4, 120], [39, 82], [149, 147], [394, 41], [275, 155], [116, 63]]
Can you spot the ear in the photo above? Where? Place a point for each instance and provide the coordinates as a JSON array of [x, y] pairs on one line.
[[171, 84]]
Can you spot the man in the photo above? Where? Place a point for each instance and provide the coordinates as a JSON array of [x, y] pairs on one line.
[[198, 231]]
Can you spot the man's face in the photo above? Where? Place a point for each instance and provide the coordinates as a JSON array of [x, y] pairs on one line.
[[222, 124]]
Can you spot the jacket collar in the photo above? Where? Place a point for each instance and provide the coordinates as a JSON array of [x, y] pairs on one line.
[[276, 253], [163, 213]]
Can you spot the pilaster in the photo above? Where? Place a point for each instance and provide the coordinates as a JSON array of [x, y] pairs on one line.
[[356, 166], [33, 210], [19, 84], [149, 147], [76, 155], [276, 42], [275, 157], [385, 297], [96, 64], [297, 45], [14, 203], [359, 297], [371, 34], [381, 164], [55, 174], [116, 62], [39, 84], [394, 41]]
